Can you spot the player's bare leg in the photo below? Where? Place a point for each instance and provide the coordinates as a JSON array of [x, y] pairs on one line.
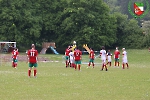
[[105, 66], [127, 65], [109, 63], [102, 67], [66, 63]]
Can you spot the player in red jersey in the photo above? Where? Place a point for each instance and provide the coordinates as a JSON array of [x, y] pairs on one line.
[[67, 51], [32, 56], [91, 56], [77, 56], [116, 57], [15, 54]]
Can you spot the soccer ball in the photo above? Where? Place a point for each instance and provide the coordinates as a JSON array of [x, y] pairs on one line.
[[74, 42]]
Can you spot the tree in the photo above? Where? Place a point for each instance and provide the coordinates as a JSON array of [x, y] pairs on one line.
[[87, 22], [146, 33], [114, 5], [19, 21], [129, 33]]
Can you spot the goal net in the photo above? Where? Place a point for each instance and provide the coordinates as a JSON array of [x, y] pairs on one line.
[[5, 53]]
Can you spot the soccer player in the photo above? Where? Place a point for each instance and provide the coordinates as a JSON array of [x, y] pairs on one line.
[[32, 58], [15, 54], [77, 56], [109, 56], [124, 59], [103, 58], [67, 51], [71, 58], [91, 56], [116, 57]]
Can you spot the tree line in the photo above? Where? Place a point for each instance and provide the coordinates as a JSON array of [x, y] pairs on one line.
[[89, 22]]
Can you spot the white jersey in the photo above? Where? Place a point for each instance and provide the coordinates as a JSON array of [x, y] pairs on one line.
[[109, 55], [124, 59], [71, 56], [124, 53], [103, 54]]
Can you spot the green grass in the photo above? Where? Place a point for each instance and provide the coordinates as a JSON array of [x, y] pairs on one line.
[[55, 82]]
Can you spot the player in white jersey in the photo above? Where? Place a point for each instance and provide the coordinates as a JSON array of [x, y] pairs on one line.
[[103, 58], [71, 57], [109, 56], [124, 58]]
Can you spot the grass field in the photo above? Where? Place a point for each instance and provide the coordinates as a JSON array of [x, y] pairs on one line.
[[55, 82]]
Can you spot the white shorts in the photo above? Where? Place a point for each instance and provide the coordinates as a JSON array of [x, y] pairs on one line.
[[109, 58], [103, 60], [72, 61], [124, 60]]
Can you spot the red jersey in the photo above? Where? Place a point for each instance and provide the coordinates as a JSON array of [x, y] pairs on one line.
[[77, 55], [32, 54], [116, 54], [92, 54], [67, 52], [15, 54]]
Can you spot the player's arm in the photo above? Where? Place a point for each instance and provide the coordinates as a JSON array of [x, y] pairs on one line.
[[80, 55], [114, 56], [90, 55], [27, 59], [37, 58], [122, 55], [100, 54]]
